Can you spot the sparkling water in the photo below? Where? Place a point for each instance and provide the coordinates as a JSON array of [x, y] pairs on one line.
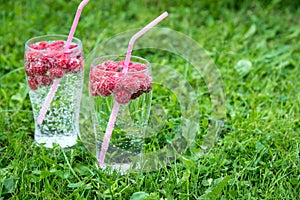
[[127, 141], [61, 123], [120, 147]]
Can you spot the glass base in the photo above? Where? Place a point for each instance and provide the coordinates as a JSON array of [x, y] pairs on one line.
[[122, 168], [62, 141]]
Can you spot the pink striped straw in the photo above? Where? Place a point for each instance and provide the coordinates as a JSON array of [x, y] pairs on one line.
[[116, 106], [55, 85]]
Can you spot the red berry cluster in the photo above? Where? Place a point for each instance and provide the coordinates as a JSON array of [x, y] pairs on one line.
[[107, 79], [46, 61]]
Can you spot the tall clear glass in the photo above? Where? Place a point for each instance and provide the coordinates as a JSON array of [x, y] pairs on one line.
[[133, 92], [45, 61]]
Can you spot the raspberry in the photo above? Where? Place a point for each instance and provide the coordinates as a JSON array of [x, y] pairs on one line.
[[122, 62], [54, 48], [74, 65], [43, 45], [47, 60], [61, 60], [39, 69], [137, 94], [32, 56], [29, 71], [137, 67], [34, 46], [131, 84], [107, 85], [95, 75], [102, 89], [72, 46], [122, 96], [56, 45], [80, 56], [100, 68], [93, 89], [56, 72], [148, 89], [115, 82], [33, 83], [146, 83], [137, 82], [68, 52], [44, 80], [27, 64], [111, 66]]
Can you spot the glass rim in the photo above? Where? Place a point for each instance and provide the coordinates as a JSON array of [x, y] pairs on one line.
[[64, 38], [146, 62]]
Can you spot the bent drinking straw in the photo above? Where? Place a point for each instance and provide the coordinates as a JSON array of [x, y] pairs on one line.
[[54, 87], [115, 110]]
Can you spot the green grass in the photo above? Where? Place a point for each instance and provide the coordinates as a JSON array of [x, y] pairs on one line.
[[257, 155]]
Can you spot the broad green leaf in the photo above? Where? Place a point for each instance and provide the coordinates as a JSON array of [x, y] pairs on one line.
[[215, 192], [139, 196], [9, 184], [75, 185], [243, 67], [251, 31]]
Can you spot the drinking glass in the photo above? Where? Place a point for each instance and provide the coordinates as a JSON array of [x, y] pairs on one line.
[[132, 91], [45, 61]]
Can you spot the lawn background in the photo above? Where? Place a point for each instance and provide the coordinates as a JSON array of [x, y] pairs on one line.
[[257, 156]]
